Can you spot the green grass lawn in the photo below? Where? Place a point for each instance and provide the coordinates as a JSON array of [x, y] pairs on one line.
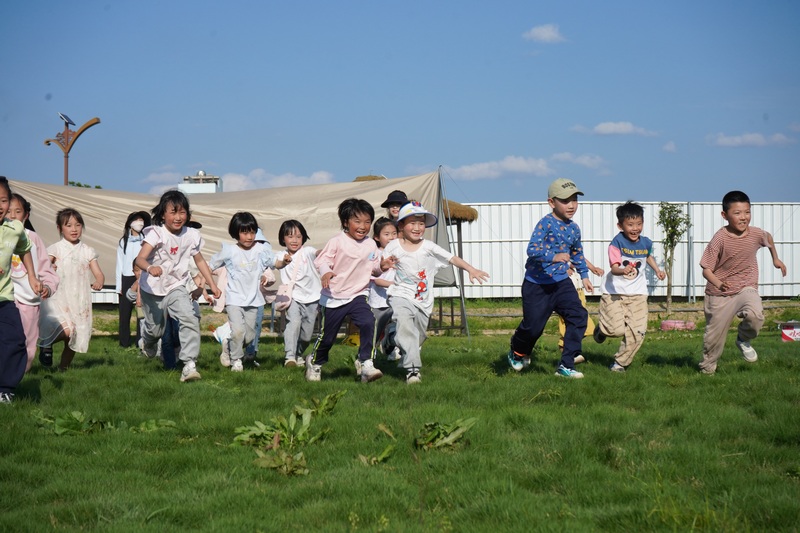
[[660, 447]]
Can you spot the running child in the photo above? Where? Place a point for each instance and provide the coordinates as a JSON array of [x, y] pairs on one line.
[[384, 232], [555, 247], [411, 296], [168, 246], [730, 268], [127, 249], [345, 264], [301, 272], [623, 305], [67, 316], [28, 301], [13, 240], [245, 263]]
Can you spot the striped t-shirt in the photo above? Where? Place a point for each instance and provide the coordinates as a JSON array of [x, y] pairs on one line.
[[732, 258]]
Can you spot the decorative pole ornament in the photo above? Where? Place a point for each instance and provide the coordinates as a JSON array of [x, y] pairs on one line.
[[67, 138]]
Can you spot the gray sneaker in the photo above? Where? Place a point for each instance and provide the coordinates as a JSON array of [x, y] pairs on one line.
[[369, 372], [313, 372], [148, 351], [616, 367], [237, 366], [413, 376], [189, 372], [300, 361]]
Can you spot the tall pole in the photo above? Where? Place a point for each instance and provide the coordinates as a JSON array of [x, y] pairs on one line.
[[66, 139]]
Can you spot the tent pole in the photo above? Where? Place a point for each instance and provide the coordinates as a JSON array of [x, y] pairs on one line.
[[445, 209]]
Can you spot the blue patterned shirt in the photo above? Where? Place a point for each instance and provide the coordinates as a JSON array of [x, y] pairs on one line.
[[552, 236]]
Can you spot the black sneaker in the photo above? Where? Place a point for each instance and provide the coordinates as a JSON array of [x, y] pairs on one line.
[[6, 397], [598, 335], [46, 356]]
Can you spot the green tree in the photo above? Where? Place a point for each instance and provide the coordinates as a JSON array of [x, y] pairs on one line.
[[675, 224]]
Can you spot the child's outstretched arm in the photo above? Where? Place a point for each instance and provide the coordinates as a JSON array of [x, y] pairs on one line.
[[474, 274], [777, 263], [660, 274], [204, 269], [99, 278], [36, 285]]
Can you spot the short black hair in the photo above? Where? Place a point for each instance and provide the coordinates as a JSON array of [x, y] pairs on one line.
[[732, 198], [288, 227], [352, 207], [242, 221], [628, 210]]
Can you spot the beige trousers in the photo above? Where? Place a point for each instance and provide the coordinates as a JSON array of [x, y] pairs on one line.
[[625, 316], [720, 312]]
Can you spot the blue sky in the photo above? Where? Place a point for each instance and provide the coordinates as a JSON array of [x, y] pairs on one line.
[[678, 101]]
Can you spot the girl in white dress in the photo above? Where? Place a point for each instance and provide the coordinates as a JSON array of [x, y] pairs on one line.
[[67, 316]]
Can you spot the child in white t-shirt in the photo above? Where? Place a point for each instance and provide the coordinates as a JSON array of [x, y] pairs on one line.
[[384, 231], [302, 312], [168, 246], [411, 296]]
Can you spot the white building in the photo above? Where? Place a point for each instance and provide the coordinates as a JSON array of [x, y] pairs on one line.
[[202, 183]]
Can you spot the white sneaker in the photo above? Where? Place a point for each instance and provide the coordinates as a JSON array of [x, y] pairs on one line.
[[148, 352], [394, 355], [299, 361], [189, 372], [369, 372], [313, 372], [413, 376], [237, 366], [225, 356], [748, 352], [357, 365], [290, 362], [579, 359]]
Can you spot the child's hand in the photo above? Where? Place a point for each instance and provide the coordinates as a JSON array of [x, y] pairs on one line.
[[597, 271], [561, 258], [478, 275], [267, 281], [723, 286], [208, 298], [154, 270], [287, 258], [587, 285], [45, 292], [388, 262], [660, 274], [36, 285], [326, 280], [97, 285], [215, 291], [195, 294], [779, 265]]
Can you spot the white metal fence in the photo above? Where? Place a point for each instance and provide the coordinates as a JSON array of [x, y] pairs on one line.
[[497, 243]]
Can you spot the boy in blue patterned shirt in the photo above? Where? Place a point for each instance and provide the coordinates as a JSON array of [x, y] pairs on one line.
[[555, 245]]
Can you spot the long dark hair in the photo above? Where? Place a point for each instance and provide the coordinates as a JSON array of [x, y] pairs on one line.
[[144, 215], [176, 198]]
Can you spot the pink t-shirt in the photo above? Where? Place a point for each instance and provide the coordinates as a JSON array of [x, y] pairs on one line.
[[353, 263], [732, 258]]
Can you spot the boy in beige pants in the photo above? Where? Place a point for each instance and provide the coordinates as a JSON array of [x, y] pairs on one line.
[[731, 271]]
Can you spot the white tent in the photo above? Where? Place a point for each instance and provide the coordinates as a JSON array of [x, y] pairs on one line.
[[105, 211]]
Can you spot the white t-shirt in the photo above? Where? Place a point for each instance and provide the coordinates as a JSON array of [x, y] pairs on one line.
[[173, 254], [414, 272], [307, 286], [378, 294], [245, 268]]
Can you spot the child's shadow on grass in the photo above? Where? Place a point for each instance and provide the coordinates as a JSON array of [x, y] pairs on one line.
[[679, 362]]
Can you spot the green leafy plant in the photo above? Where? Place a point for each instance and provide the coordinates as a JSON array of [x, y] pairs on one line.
[[437, 435], [78, 423], [325, 406], [280, 460], [675, 224]]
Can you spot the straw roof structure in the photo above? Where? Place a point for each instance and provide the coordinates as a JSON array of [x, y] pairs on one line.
[[456, 212]]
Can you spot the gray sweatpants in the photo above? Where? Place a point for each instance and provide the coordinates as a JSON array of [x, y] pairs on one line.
[[720, 312], [300, 319], [178, 304], [243, 331], [410, 323]]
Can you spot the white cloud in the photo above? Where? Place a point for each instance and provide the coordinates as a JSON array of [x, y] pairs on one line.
[[547, 33], [670, 147], [261, 179], [585, 160], [615, 128], [794, 126], [748, 139], [496, 169]]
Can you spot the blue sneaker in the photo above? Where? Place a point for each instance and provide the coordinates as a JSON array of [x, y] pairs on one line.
[[565, 372], [516, 362]]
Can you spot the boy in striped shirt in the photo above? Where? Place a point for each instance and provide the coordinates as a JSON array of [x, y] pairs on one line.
[[731, 270]]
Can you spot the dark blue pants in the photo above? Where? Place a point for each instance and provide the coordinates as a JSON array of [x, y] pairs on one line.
[[169, 342], [538, 303], [13, 353], [360, 314]]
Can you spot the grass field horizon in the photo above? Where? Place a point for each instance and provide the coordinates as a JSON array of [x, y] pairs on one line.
[[660, 447]]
